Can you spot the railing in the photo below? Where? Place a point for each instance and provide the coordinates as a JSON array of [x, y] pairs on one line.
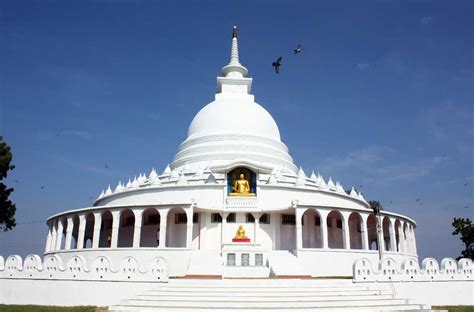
[[241, 202]]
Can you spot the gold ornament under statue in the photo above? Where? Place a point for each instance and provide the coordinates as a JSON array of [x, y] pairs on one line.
[[240, 236], [241, 187]]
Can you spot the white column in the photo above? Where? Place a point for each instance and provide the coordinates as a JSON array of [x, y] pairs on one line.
[[299, 228], [137, 230], [408, 240], [82, 231], [380, 235], [400, 239], [256, 225], [59, 235], [163, 221], [415, 251], [223, 225], [54, 236], [97, 225], [324, 228], [69, 227], [115, 228], [189, 227], [49, 238], [346, 235], [364, 231], [393, 239]]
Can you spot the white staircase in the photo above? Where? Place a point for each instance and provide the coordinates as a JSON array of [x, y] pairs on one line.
[[283, 263], [252, 295]]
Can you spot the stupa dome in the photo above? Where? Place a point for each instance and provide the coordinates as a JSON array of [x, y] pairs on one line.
[[234, 115]]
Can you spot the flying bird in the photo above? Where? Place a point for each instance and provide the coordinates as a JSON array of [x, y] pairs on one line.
[[298, 49], [106, 167], [277, 65], [42, 187], [465, 184], [466, 206], [417, 199]]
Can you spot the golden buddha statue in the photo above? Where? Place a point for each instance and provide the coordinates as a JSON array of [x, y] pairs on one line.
[[240, 233], [241, 187]]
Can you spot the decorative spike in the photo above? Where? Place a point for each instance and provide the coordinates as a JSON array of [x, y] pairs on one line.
[[129, 184], [339, 187], [234, 69], [313, 177], [135, 183], [353, 192], [108, 191], [322, 184], [101, 195], [119, 187], [167, 170], [331, 185]]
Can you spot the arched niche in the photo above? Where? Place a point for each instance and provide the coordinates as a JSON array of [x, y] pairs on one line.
[[235, 174]]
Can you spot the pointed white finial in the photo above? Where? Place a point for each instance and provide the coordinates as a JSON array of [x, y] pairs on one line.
[[167, 170], [109, 191], [101, 195], [353, 192], [331, 185], [313, 176], [129, 184], [234, 69]]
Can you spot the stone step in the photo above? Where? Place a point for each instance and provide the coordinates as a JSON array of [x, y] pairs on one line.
[[234, 304], [266, 293], [250, 298]]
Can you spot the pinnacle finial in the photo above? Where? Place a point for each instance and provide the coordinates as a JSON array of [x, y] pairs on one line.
[[234, 32]]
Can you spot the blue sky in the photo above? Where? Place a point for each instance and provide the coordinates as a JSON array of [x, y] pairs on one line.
[[381, 97]]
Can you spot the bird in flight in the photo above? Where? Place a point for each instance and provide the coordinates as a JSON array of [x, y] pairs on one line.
[[298, 49], [417, 199], [465, 184], [42, 187], [106, 167], [277, 65]]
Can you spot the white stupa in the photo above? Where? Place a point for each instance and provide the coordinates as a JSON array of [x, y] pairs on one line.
[[233, 204]]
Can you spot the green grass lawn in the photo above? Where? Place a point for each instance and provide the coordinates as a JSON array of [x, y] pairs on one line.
[[37, 308], [455, 308]]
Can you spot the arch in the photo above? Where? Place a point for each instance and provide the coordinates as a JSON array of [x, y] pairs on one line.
[[335, 225], [398, 226], [126, 228], [150, 231], [372, 232], [176, 229], [105, 237], [355, 230], [311, 232], [386, 224], [89, 230]]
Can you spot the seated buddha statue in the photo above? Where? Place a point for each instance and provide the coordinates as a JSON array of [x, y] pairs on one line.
[[241, 187], [240, 233]]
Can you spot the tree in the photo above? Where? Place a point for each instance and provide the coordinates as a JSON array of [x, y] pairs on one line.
[[7, 208], [465, 229], [376, 206]]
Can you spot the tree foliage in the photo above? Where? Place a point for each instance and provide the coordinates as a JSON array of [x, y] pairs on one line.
[[376, 206], [465, 229], [7, 208]]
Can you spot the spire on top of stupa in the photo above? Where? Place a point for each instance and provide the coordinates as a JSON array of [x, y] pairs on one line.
[[234, 69]]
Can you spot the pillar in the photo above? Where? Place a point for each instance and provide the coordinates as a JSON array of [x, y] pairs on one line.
[[59, 235], [380, 236], [346, 235], [97, 226], [256, 226], [299, 228], [115, 228], [69, 227], [324, 228], [163, 221], [189, 227], [137, 229], [393, 239], [54, 236], [415, 251], [223, 225], [364, 232], [48, 238], [82, 231]]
